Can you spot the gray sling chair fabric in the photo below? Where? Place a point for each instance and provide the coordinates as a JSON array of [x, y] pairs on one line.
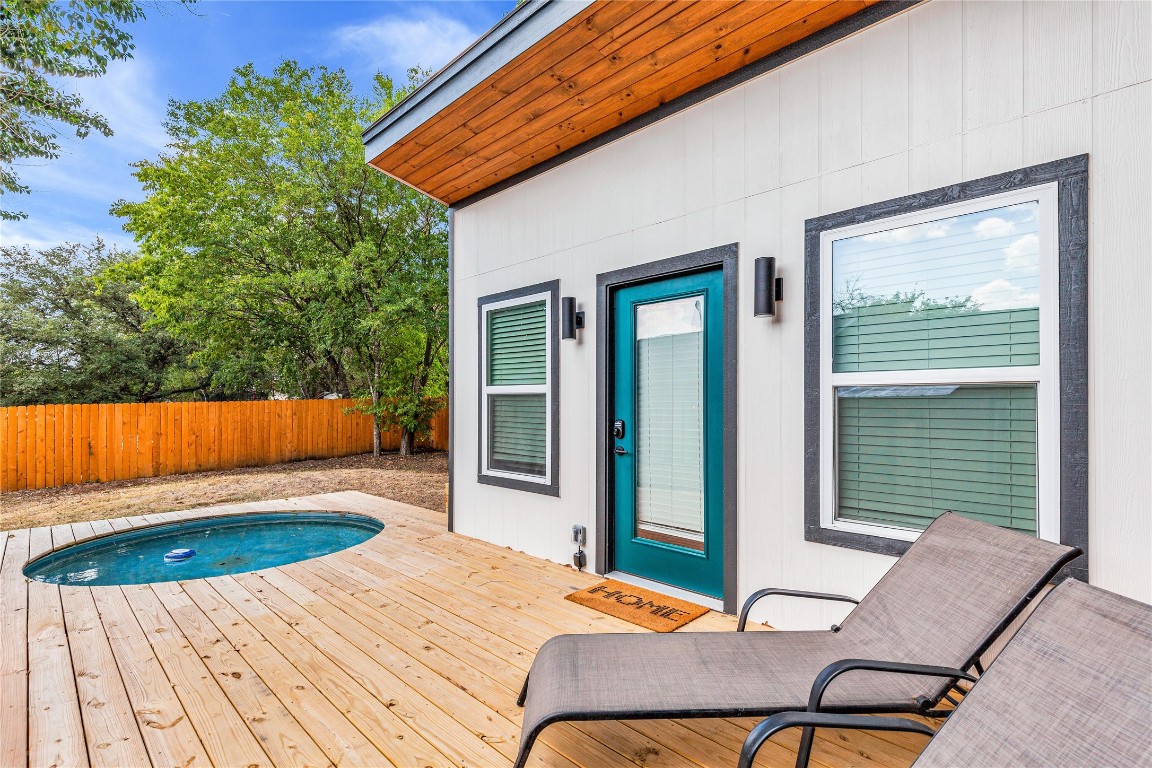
[[1072, 688], [942, 603]]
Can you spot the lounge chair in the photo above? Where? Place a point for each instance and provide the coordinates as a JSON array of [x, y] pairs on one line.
[[1072, 688], [944, 602]]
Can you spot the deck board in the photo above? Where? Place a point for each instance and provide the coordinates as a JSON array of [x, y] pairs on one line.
[[13, 650], [111, 728], [460, 726], [234, 713], [406, 651], [167, 721], [55, 730], [341, 740]]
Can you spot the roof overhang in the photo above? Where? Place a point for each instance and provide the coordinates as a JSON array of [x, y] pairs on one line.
[[554, 74]]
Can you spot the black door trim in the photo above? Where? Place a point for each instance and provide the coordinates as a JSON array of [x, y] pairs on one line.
[[727, 258]]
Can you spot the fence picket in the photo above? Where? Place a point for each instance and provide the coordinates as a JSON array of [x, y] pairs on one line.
[[4, 419], [36, 439], [188, 442], [80, 442], [45, 446]]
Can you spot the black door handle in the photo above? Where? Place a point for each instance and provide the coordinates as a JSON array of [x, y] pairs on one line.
[[619, 450]]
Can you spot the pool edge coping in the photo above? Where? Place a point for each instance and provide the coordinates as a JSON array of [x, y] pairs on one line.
[[191, 518]]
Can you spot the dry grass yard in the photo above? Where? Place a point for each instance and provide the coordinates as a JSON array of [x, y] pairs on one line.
[[418, 480]]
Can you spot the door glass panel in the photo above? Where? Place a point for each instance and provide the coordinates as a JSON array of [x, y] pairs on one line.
[[670, 421]]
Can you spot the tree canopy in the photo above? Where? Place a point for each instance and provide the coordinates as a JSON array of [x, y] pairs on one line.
[[42, 41], [71, 334], [269, 244]]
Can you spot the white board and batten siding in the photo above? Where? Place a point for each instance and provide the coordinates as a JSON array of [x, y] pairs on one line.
[[945, 92]]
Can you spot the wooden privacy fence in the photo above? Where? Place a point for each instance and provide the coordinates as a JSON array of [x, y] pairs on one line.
[[42, 446]]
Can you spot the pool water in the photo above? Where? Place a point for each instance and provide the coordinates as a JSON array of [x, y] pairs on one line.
[[222, 545]]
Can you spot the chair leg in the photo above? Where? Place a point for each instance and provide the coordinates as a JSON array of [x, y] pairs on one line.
[[804, 753], [523, 692], [525, 748]]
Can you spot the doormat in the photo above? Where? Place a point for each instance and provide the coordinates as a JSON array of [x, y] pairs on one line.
[[649, 609]]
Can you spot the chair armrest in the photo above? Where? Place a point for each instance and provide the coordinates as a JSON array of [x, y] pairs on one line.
[[766, 729], [755, 596], [837, 668]]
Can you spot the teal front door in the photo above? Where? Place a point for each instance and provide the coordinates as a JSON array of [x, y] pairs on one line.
[[667, 431]]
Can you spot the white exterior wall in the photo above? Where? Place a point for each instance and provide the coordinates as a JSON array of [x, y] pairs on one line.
[[946, 92]]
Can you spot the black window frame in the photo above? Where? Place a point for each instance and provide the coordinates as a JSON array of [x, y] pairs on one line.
[[552, 487], [1071, 176]]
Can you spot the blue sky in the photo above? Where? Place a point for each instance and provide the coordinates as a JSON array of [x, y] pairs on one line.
[[189, 54], [992, 257]]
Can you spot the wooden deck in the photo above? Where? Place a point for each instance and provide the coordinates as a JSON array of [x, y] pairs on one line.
[[408, 650]]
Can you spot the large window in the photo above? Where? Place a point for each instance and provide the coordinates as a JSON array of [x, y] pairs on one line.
[[939, 380], [518, 389]]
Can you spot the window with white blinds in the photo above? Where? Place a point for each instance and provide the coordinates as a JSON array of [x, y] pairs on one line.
[[516, 388], [938, 390], [518, 344], [908, 454]]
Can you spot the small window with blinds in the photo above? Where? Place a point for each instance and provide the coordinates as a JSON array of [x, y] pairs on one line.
[[939, 354], [517, 387]]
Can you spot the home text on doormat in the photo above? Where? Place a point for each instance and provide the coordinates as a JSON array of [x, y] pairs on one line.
[[651, 610]]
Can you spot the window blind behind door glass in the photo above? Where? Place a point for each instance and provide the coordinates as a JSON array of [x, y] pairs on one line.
[[670, 419], [907, 454], [959, 292]]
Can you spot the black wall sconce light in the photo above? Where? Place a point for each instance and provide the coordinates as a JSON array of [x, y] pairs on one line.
[[570, 320], [769, 289]]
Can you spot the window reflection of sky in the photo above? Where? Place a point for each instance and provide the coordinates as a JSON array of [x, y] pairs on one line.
[[990, 257], [669, 318]]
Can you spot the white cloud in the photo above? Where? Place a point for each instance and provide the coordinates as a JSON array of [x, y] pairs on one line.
[[127, 98], [1023, 253], [928, 231], [993, 226], [38, 234], [392, 44], [1001, 294], [75, 175], [936, 229], [71, 194], [97, 168]]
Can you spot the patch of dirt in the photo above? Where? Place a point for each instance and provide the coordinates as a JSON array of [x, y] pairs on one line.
[[417, 480]]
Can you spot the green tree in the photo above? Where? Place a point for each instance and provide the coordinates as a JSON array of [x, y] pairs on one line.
[[69, 334], [390, 316], [269, 243], [42, 41], [853, 297]]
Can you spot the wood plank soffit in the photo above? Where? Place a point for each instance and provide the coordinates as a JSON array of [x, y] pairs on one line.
[[610, 63]]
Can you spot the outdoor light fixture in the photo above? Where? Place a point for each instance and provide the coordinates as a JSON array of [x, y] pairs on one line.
[[570, 320], [769, 289]]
